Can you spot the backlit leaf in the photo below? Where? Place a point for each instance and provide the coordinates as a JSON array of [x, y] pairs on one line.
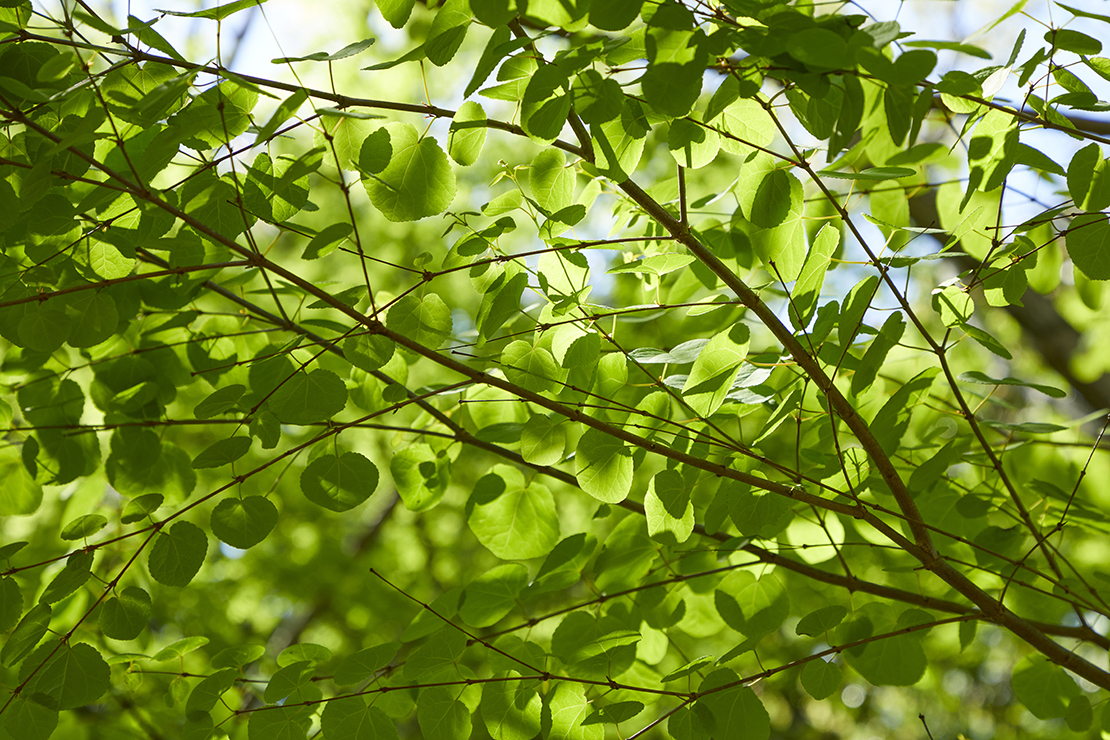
[[177, 554], [603, 466], [513, 520], [71, 675], [308, 397], [339, 483], [244, 522], [418, 181], [125, 616], [424, 319], [467, 134]]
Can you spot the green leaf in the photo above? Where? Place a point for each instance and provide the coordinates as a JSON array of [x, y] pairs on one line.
[[511, 709], [621, 711], [492, 595], [217, 115], [436, 658], [974, 376], [368, 352], [543, 441], [44, 329], [27, 718], [689, 669], [418, 181], [448, 30], [84, 526], [499, 45], [304, 651], [1043, 687], [876, 354], [141, 507], [565, 13], [350, 717], [327, 240], [898, 660], [715, 369], [672, 89], [237, 656], [420, 475], [70, 675], [816, 623], [820, 49], [594, 646], [967, 633], [289, 682], [502, 203], [177, 554], [597, 99], [175, 650], [803, 298], [344, 138], [11, 603], [992, 151], [820, 679], [1073, 41], [871, 173], [655, 264], [223, 452], [124, 617], [737, 712], [1079, 716], [217, 13], [308, 397], [546, 103], [95, 319], [565, 711], [467, 134], [206, 693], [441, 714], [752, 606], [71, 578], [956, 46], [243, 523], [349, 50], [396, 12], [892, 420], [423, 319], [680, 355], [1088, 242], [221, 401], [670, 513], [493, 13], [692, 144], [360, 666], [338, 482], [514, 520], [280, 723], [286, 109], [614, 15], [552, 183], [626, 558], [26, 635], [743, 125], [756, 513], [532, 368], [603, 467], [780, 240], [953, 304], [619, 143]]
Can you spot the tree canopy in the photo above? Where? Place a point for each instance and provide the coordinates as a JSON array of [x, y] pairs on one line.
[[561, 368]]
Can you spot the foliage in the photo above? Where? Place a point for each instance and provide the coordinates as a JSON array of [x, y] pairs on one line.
[[665, 386]]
